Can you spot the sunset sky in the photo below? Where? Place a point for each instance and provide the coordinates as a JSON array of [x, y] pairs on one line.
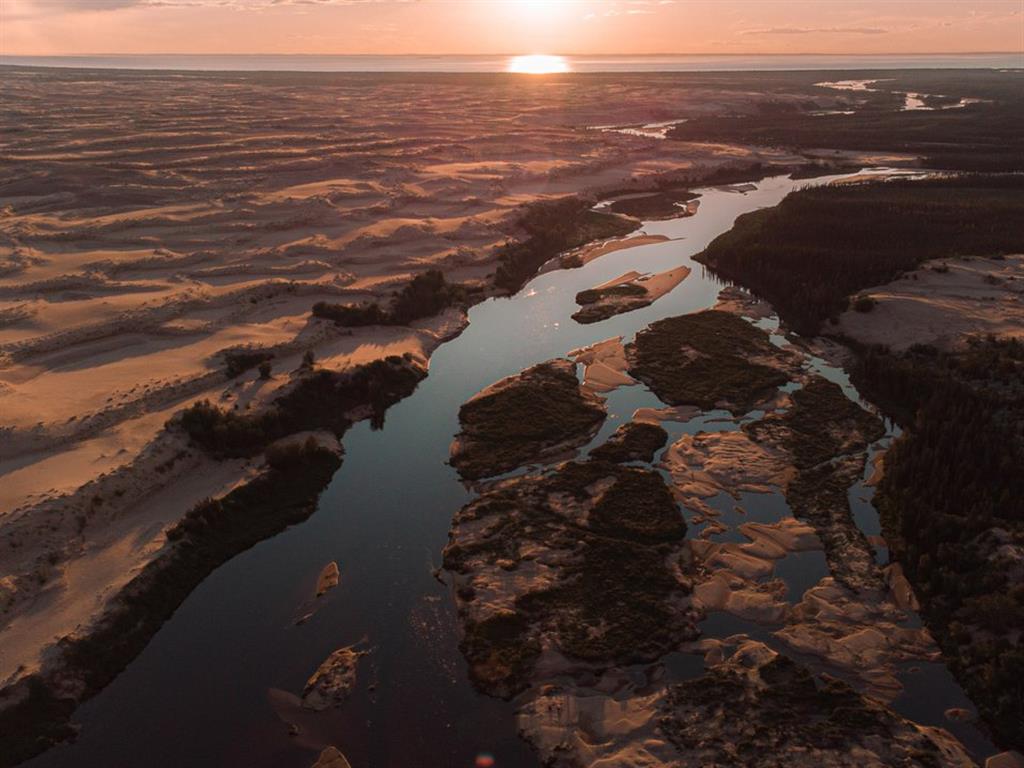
[[53, 27]]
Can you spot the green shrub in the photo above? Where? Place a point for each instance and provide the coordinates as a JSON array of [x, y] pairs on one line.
[[864, 304]]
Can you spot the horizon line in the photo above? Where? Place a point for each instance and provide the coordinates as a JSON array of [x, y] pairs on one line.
[[522, 53]]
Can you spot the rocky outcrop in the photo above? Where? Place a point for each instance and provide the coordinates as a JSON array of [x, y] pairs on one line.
[[333, 680], [755, 708], [762, 709], [331, 757], [826, 436], [328, 579]]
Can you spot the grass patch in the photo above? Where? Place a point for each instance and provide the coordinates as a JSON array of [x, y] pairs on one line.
[[321, 400], [238, 361], [615, 601], [426, 295], [594, 295], [741, 715], [659, 205]]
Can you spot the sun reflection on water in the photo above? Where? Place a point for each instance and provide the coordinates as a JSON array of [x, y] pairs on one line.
[[537, 64]]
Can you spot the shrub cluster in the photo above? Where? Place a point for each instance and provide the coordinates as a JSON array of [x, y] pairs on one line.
[[426, 295], [552, 228], [322, 400]]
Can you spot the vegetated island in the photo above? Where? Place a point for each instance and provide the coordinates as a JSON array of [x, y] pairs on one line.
[[537, 415], [626, 293], [708, 359]]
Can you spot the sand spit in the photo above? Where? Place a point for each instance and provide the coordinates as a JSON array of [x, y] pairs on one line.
[[328, 579], [626, 293], [604, 365], [330, 757], [588, 253], [333, 680]]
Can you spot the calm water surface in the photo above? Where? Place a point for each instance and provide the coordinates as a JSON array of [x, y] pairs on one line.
[[204, 691]]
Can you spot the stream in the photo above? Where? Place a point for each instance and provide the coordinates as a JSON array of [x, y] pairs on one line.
[[208, 688]]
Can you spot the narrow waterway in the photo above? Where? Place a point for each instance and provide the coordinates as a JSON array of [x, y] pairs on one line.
[[208, 688]]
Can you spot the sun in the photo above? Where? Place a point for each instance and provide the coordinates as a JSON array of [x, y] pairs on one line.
[[537, 64]]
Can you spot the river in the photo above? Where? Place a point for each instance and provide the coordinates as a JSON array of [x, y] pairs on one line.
[[203, 691]]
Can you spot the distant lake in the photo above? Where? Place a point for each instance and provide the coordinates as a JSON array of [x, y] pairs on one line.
[[482, 64]]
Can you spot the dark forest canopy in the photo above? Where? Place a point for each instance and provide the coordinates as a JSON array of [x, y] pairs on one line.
[[952, 503], [984, 135], [808, 255]]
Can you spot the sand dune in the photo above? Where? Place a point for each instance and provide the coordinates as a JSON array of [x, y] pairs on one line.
[[942, 302]]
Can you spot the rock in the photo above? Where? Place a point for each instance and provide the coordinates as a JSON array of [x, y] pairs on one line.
[[331, 758], [902, 593], [328, 579], [959, 715], [333, 681], [1011, 759]]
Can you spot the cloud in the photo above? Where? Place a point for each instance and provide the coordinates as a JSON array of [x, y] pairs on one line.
[[816, 31]]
